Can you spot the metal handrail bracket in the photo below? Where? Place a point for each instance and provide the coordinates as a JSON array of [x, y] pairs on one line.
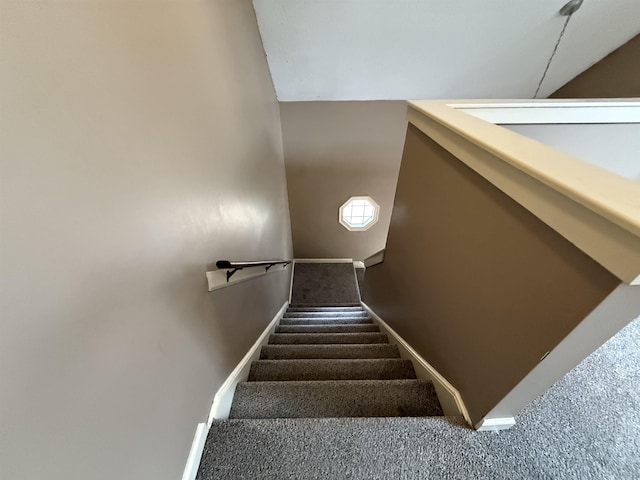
[[232, 267]]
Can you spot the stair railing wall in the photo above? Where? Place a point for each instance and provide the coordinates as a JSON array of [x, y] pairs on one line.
[[499, 248]]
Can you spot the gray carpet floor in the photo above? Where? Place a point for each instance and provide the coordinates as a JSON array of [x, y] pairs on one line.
[[587, 426], [324, 283]]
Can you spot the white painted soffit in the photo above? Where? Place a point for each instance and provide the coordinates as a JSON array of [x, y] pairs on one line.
[[570, 111], [410, 49]]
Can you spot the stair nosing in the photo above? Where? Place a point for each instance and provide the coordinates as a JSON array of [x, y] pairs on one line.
[[337, 360], [388, 383]]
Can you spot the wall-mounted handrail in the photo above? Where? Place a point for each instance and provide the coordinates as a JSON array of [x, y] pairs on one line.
[[233, 267]]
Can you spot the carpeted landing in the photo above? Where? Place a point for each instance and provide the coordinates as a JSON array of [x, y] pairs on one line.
[[325, 284]]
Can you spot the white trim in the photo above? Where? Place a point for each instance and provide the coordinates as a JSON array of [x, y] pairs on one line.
[[224, 396], [324, 260], [374, 259], [493, 424], [293, 269], [195, 454], [596, 210], [450, 398], [541, 103], [217, 279], [553, 112], [358, 264], [222, 401]]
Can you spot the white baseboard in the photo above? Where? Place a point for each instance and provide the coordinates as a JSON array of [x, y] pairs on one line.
[[358, 264], [222, 400], [224, 396], [493, 424], [449, 396], [374, 259], [195, 454], [293, 269]]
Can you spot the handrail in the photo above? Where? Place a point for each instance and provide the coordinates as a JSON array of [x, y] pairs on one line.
[[595, 209], [233, 267]]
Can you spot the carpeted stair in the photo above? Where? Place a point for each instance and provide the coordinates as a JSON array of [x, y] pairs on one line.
[[324, 361], [342, 398], [327, 361]]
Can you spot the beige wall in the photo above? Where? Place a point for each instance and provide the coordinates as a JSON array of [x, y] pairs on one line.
[[615, 76], [140, 142], [334, 150], [478, 285]]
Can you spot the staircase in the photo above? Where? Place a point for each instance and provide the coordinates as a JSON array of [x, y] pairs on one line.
[[331, 361], [327, 385]]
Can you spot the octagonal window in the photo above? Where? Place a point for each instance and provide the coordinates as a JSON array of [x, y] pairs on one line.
[[359, 213]]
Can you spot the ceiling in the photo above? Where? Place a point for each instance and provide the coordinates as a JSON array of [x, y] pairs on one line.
[[414, 49]]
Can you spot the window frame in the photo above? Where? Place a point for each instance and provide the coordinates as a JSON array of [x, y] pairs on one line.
[[345, 223]]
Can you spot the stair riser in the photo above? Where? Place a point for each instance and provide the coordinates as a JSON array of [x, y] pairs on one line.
[[320, 319], [321, 310], [326, 315], [281, 352], [297, 370], [325, 305], [388, 398], [330, 338], [326, 328], [326, 321]]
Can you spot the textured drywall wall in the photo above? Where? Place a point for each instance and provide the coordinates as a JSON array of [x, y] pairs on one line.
[[615, 76], [334, 150], [612, 146], [415, 49], [479, 286], [140, 142]]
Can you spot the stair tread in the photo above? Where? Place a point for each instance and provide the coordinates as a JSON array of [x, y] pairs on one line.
[[355, 448], [325, 314], [331, 369], [328, 318], [327, 328], [373, 350], [335, 398], [325, 321], [325, 309], [323, 305], [324, 338]]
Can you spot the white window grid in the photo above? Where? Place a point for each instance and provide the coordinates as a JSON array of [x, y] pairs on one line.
[[359, 213]]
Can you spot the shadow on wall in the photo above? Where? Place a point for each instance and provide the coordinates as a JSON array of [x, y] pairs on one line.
[[236, 316]]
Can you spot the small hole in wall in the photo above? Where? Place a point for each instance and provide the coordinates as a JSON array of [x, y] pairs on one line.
[[358, 213]]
